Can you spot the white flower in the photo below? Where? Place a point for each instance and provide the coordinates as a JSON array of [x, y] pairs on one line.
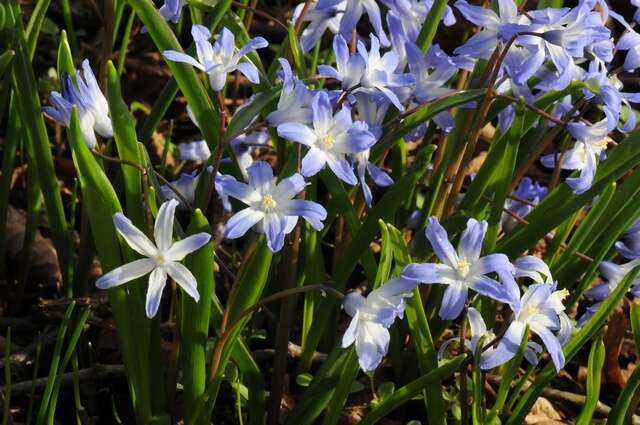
[[372, 316], [161, 257]]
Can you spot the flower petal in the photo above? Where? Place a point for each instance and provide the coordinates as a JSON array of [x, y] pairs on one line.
[[125, 273], [157, 281], [507, 347], [429, 273], [453, 301], [184, 278], [240, 222], [439, 239], [187, 245], [137, 240], [175, 56], [163, 228]]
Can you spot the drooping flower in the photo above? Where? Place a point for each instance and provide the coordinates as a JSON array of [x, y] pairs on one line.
[[630, 41], [332, 137], [85, 95], [161, 258], [320, 20], [270, 205], [629, 246], [540, 309], [220, 58], [480, 333], [613, 274], [186, 185], [591, 143], [172, 9], [371, 318], [461, 270]]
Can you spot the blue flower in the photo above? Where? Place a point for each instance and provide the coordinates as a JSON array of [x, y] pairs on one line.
[[162, 257], [480, 333], [186, 185], [629, 246], [610, 95], [295, 100], [528, 190], [172, 9], [220, 58], [371, 318], [367, 71], [354, 9], [461, 270], [534, 268], [630, 41], [613, 274], [93, 109], [332, 137], [496, 27], [591, 143], [270, 205], [540, 309], [319, 21]]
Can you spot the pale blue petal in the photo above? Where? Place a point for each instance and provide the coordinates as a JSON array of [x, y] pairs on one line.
[[453, 301], [137, 240], [552, 344], [175, 56], [313, 162], [163, 228], [247, 69], [274, 231], [184, 278], [297, 132], [437, 235], [186, 246], [157, 281], [429, 273], [240, 222], [125, 273], [313, 212], [507, 347]]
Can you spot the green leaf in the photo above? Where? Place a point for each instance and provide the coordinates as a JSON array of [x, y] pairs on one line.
[[37, 143], [430, 25], [195, 319], [572, 347], [124, 133], [65, 59], [625, 405], [5, 61], [594, 372], [98, 192], [406, 393]]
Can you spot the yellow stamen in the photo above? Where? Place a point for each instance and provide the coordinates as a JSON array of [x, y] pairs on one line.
[[268, 202], [463, 266], [327, 141]]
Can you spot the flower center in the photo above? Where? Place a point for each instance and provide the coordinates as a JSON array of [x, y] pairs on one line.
[[463, 266], [160, 259], [327, 141], [602, 143], [268, 203], [563, 294]]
